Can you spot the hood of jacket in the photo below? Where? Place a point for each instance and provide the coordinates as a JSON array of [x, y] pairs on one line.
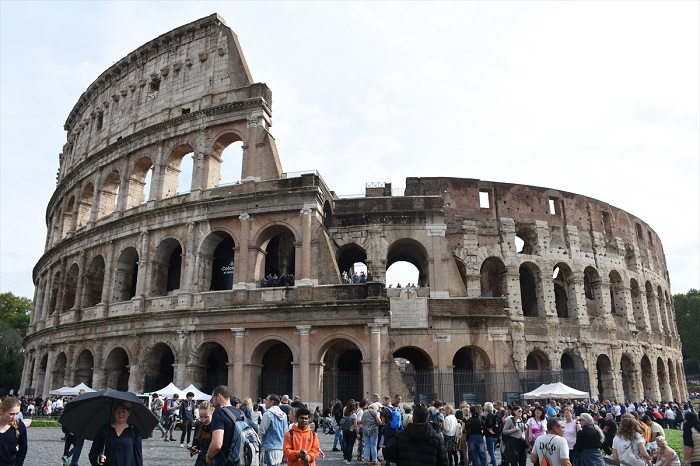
[[419, 432], [276, 411]]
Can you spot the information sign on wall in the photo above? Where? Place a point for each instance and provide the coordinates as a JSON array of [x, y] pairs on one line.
[[409, 313]]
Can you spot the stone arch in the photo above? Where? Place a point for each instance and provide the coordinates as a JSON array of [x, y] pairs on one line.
[[471, 366], [41, 378], [662, 377], [494, 278], [172, 169], [166, 268], [628, 373], [158, 366], [58, 379], [94, 282], [593, 292], [617, 294], [328, 220], [564, 291], [572, 366], [136, 194], [416, 367], [125, 275], [85, 207], [212, 365], [274, 360], [526, 239], [70, 288], [637, 305], [278, 242], [647, 377], [216, 260], [342, 367], [348, 255], [537, 361], [109, 194], [605, 377], [84, 368], [531, 292], [68, 217], [413, 252], [221, 142], [651, 307], [117, 369]]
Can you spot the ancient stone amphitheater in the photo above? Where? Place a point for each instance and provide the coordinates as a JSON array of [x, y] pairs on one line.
[[144, 282]]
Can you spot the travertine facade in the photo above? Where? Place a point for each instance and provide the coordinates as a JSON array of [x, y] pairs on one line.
[[139, 287]]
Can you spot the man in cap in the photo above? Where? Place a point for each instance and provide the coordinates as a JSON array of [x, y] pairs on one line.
[[157, 408]]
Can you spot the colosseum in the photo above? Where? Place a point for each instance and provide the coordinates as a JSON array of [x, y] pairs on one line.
[[146, 279]]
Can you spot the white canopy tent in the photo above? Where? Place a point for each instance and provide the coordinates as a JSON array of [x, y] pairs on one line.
[[555, 390], [71, 391], [169, 390], [198, 394]]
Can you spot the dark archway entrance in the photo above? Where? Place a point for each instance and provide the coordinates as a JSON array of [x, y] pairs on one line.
[[417, 370], [276, 373], [159, 368], [342, 375]]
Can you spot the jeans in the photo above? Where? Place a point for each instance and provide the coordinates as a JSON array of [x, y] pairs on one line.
[[477, 450], [339, 438], [491, 447], [371, 445]]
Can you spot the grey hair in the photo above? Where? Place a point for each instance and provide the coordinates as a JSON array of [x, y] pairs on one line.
[[488, 407], [591, 423]]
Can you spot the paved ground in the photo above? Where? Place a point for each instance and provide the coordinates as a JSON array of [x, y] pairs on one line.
[[46, 448]]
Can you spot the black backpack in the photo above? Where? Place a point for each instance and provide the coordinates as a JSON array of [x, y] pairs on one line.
[[434, 421]]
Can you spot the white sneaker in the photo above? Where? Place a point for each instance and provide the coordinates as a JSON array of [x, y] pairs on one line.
[[182, 445]]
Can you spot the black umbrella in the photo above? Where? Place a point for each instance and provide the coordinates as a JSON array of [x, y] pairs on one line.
[[86, 413]]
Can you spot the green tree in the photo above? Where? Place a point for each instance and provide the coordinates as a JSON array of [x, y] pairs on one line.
[[14, 322], [688, 322]]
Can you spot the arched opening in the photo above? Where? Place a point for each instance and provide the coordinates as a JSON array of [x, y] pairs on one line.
[[85, 207], [592, 291], [276, 374], [158, 370], [226, 161], [617, 295], [574, 373], [327, 215], [417, 371], [342, 372], [71, 286], [41, 378], [402, 274], [84, 367], [177, 176], [470, 373], [604, 377], [117, 370], [493, 278], [59, 371], [531, 290], [137, 183], [94, 282], [637, 305], [125, 275], [277, 263], [217, 256], [537, 369], [647, 378], [413, 252], [109, 194], [213, 367], [167, 268], [628, 374], [68, 217], [348, 256], [526, 240], [564, 292]]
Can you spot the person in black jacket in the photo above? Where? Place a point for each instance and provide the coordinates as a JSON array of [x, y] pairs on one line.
[[418, 444]]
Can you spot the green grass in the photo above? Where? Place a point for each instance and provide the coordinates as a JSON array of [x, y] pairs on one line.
[[675, 441], [44, 423]]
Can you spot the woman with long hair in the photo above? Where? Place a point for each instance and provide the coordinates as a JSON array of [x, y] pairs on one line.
[[349, 429], [202, 434], [13, 433], [691, 439], [477, 444], [629, 444], [516, 446], [450, 435], [589, 440], [117, 443], [536, 425], [665, 455]]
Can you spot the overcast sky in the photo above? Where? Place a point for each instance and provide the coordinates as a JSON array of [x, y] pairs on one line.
[[597, 98]]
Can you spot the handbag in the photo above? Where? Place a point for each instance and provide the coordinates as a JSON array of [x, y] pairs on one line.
[[630, 457]]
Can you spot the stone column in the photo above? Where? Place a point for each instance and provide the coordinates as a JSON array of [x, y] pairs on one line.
[[134, 377], [236, 385], [48, 379], [95, 207], [305, 261], [98, 373], [143, 281], [79, 288], [375, 329], [108, 281], [25, 371], [35, 373], [61, 293], [70, 366], [190, 263], [437, 269], [304, 359], [242, 271]]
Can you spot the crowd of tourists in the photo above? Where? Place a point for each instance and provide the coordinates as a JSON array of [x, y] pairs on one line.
[[278, 429]]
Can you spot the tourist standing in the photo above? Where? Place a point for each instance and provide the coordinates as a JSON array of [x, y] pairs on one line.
[[13, 433]]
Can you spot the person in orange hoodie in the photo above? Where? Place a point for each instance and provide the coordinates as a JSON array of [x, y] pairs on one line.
[[301, 447]]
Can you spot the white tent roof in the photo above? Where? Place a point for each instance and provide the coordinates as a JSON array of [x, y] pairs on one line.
[[59, 390], [71, 391], [198, 395], [556, 390], [169, 390]]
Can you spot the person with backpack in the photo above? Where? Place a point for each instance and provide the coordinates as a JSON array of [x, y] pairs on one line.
[[226, 437], [272, 428], [436, 418], [370, 432], [551, 449], [516, 445], [391, 418], [348, 424], [301, 445], [13, 433], [418, 444], [492, 430]]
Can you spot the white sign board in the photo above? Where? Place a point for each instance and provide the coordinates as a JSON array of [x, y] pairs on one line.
[[409, 313]]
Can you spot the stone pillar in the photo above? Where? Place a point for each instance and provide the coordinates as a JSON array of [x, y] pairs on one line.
[[25, 371], [438, 273], [134, 377], [304, 360], [95, 207], [98, 373], [108, 281], [48, 379], [307, 214], [184, 297], [82, 274], [143, 280], [70, 366], [61, 293], [375, 329], [242, 271], [236, 383], [35, 373], [47, 299]]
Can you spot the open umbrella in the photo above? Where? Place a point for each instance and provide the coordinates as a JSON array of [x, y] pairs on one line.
[[85, 414]]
